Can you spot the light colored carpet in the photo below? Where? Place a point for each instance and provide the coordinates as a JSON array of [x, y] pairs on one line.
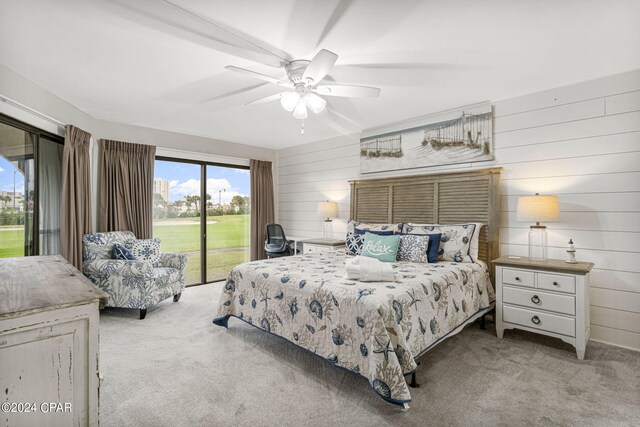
[[176, 368]]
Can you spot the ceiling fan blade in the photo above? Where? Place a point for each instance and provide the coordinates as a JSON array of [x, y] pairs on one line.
[[267, 99], [171, 18], [320, 65], [348, 91], [258, 76]]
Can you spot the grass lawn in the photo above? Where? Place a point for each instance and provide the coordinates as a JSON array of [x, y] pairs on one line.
[[178, 235], [230, 231], [11, 242], [183, 235]]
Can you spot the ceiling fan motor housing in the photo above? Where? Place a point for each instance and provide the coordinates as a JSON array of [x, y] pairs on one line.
[[295, 70]]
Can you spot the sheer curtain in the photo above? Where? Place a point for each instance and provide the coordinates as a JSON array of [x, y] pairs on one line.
[[262, 209], [75, 209], [126, 188], [49, 188]]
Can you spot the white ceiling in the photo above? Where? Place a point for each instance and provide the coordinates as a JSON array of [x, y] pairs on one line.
[[145, 62]]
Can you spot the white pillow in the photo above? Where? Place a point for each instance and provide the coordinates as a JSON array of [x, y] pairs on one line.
[[352, 225], [145, 249], [459, 242]]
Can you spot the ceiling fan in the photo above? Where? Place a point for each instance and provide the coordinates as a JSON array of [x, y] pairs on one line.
[[304, 78]]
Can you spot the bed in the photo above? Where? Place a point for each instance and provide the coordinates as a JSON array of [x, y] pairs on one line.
[[377, 329]]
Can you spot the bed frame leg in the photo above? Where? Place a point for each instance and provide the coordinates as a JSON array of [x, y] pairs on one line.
[[483, 324], [413, 383], [405, 407]]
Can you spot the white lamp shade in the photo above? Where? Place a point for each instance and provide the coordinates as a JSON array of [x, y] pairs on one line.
[[315, 103], [537, 208], [300, 112], [328, 209], [289, 100]]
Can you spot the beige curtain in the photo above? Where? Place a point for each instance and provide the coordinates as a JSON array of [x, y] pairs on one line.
[[75, 204], [126, 187], [261, 205]]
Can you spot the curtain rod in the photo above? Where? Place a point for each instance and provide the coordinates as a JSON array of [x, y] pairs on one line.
[[31, 110]]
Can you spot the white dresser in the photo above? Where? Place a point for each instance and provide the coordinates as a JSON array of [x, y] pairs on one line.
[[548, 297], [321, 245], [49, 314]]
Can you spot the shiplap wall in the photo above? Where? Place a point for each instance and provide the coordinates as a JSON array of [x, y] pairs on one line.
[[581, 142]]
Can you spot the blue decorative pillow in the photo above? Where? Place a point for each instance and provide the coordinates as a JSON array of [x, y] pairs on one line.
[[413, 248], [434, 246], [353, 243], [383, 248], [121, 252], [378, 232]]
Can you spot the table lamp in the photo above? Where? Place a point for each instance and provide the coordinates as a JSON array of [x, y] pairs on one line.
[[327, 210], [538, 209]]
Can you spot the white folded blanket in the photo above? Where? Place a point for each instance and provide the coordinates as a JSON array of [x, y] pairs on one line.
[[366, 269]]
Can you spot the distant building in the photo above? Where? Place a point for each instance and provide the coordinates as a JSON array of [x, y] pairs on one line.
[[10, 202], [161, 187]]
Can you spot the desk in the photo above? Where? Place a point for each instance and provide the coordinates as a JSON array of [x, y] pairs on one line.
[[320, 245]]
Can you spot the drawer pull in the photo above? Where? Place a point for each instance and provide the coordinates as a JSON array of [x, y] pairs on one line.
[[535, 320], [535, 299], [555, 284], [517, 278]]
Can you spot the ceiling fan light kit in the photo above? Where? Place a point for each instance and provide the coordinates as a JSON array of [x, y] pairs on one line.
[[303, 78]]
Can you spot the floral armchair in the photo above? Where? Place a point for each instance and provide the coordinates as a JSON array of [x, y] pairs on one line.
[[131, 283]]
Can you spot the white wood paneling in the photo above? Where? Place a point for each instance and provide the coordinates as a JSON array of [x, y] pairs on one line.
[[546, 116], [623, 103], [615, 336], [617, 241], [617, 319], [592, 221], [614, 279], [585, 202], [612, 85], [581, 142]]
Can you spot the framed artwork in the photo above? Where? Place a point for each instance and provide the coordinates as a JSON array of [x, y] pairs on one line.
[[465, 137]]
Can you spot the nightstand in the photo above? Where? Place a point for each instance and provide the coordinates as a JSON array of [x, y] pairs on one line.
[[549, 297], [321, 245]]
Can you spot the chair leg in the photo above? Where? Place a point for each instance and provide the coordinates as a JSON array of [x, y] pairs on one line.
[[143, 313], [176, 297]]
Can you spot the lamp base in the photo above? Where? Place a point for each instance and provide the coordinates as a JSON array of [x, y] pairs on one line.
[[327, 229], [538, 242]]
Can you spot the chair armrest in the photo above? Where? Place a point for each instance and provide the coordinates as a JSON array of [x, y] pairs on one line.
[[173, 259], [108, 267]]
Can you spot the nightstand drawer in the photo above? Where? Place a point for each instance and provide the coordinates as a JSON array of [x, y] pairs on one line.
[[539, 320], [518, 277], [556, 282], [539, 300]]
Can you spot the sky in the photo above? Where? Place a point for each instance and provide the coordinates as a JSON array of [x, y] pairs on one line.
[[6, 177], [184, 179]]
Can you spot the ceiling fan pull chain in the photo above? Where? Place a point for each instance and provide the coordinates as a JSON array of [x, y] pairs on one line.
[[302, 127]]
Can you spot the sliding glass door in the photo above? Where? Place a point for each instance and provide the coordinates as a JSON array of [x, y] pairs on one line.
[[228, 220], [30, 185], [202, 210], [176, 212]]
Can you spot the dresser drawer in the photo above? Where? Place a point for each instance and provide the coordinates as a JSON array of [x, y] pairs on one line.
[[557, 282], [518, 277], [539, 320], [564, 304]]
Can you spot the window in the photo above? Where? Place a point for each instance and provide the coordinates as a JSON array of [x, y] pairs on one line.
[[202, 210], [30, 186]]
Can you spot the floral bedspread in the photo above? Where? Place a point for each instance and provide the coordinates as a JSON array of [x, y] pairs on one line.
[[373, 329]]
